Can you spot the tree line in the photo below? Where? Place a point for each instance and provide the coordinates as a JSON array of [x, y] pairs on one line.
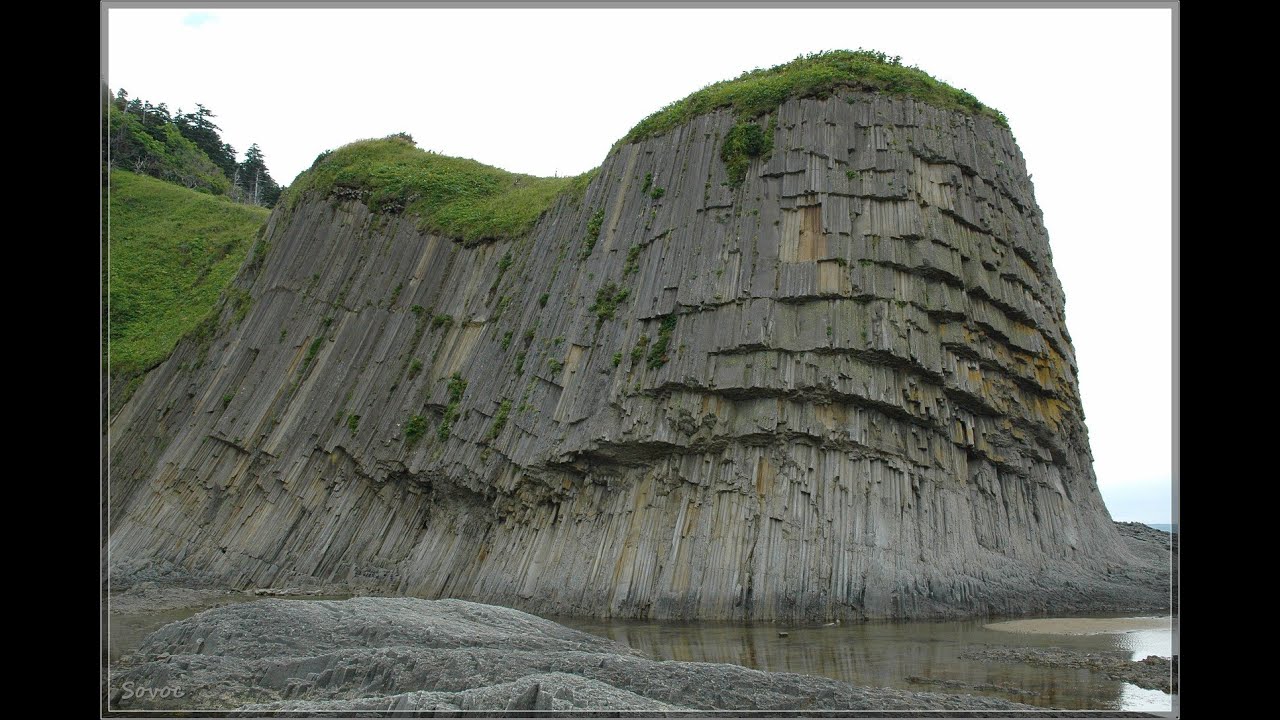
[[184, 148]]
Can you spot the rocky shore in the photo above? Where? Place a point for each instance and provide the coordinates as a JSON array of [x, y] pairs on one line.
[[450, 656], [1152, 672], [381, 655]]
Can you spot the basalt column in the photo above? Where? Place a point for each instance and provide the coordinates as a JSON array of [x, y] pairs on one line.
[[839, 386]]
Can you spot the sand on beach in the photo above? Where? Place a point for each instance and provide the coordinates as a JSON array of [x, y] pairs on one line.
[[1082, 626]]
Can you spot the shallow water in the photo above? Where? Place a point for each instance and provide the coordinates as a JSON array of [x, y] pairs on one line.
[[887, 654]]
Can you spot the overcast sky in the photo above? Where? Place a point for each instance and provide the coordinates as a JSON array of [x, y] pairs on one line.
[[548, 91]]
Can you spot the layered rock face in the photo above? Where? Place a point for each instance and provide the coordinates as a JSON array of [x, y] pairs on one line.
[[841, 389]]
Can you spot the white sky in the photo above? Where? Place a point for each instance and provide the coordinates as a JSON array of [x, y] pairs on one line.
[[548, 91]]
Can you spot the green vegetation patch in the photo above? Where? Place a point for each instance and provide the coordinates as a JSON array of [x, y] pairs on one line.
[[637, 352], [172, 252], [414, 428], [576, 188], [633, 260], [658, 353], [313, 350], [456, 197], [754, 93], [744, 141], [608, 298], [593, 233], [500, 419], [457, 386]]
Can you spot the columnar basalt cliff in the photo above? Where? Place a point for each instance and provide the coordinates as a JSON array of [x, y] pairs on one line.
[[838, 385]]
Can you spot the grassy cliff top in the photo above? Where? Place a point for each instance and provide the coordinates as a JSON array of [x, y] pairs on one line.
[[455, 197], [474, 202], [759, 91]]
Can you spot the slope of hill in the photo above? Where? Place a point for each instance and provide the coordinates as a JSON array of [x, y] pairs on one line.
[[172, 252]]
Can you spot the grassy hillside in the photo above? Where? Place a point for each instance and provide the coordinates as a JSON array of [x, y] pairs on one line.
[[172, 252], [759, 91], [452, 196]]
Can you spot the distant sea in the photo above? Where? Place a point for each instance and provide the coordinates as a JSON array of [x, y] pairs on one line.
[[1163, 526]]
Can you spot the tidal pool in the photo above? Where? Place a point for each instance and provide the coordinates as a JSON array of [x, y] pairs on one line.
[[918, 656]]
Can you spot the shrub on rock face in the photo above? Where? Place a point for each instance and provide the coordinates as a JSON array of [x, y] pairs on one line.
[[745, 141]]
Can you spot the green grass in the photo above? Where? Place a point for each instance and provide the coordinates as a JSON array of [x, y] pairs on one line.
[[172, 253], [757, 92], [455, 197]]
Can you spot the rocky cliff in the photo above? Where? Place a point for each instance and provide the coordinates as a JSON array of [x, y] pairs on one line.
[[827, 376]]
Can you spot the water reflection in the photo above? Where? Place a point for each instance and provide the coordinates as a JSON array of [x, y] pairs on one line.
[[888, 654], [1133, 697], [1146, 642]]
